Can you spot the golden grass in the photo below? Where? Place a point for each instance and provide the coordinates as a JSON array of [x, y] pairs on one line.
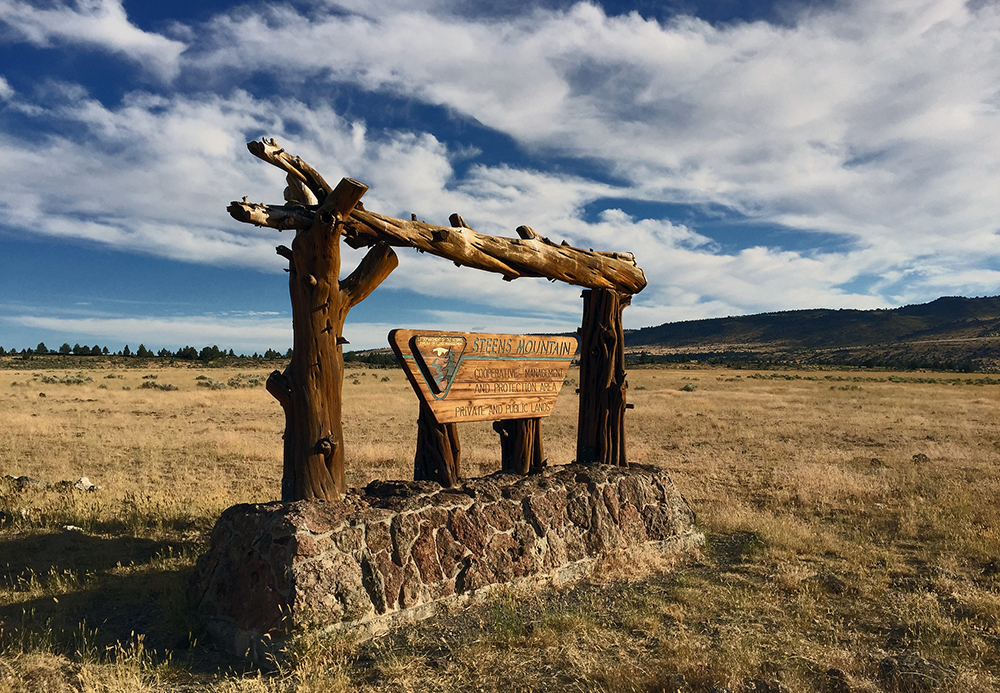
[[829, 545]]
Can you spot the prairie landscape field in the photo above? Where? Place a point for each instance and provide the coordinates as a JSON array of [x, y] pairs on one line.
[[852, 524]]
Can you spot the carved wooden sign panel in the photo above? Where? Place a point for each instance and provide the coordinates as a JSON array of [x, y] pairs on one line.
[[465, 376]]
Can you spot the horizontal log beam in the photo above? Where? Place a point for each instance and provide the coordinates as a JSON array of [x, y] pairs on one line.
[[531, 255], [511, 257]]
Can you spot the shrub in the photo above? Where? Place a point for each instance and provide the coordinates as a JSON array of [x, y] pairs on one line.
[[153, 385], [211, 384], [242, 380], [78, 379]]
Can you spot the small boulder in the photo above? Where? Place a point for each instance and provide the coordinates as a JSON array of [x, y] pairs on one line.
[[876, 467], [23, 482], [83, 484], [921, 458]]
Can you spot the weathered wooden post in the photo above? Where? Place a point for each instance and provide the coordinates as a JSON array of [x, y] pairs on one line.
[[520, 445], [310, 388], [439, 454], [601, 427]]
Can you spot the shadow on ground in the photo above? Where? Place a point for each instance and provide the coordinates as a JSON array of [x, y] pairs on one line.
[[69, 592]]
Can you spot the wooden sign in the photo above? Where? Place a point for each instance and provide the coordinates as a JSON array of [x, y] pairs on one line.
[[464, 376]]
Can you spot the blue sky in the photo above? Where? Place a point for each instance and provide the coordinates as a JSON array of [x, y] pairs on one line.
[[755, 156]]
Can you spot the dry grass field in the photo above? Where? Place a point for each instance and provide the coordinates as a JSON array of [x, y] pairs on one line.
[[850, 516]]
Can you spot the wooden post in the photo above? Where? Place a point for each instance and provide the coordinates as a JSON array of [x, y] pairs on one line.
[[310, 388], [601, 427], [520, 445], [439, 453]]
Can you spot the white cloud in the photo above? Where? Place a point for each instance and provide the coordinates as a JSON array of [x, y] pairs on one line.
[[878, 121], [873, 121], [259, 332], [6, 91], [240, 333], [154, 174], [149, 175], [99, 23]]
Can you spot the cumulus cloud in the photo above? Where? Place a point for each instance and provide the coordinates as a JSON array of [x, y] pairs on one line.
[[101, 24], [244, 333], [153, 174], [143, 176], [875, 122], [257, 332]]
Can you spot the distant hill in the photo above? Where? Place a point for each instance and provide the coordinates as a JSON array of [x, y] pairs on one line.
[[953, 333]]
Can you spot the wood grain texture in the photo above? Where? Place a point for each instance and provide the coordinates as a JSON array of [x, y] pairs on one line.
[[310, 388], [603, 388], [521, 445], [439, 453], [529, 255]]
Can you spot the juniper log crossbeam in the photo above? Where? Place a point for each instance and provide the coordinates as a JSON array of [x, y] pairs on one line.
[[530, 255]]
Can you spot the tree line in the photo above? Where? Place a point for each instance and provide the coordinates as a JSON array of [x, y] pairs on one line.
[[187, 353], [378, 358]]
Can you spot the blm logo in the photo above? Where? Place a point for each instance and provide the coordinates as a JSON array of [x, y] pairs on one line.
[[439, 357]]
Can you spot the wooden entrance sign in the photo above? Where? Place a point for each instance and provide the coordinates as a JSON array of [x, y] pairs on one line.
[[463, 376], [515, 394], [512, 380]]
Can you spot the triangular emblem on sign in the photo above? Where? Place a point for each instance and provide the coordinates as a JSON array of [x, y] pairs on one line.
[[439, 356]]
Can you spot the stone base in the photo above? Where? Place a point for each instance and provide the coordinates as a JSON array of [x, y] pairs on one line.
[[396, 550]]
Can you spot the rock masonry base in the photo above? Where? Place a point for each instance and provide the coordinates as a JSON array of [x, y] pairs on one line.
[[398, 550]]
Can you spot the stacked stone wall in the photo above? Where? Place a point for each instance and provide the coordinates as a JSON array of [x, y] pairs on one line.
[[395, 548]]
